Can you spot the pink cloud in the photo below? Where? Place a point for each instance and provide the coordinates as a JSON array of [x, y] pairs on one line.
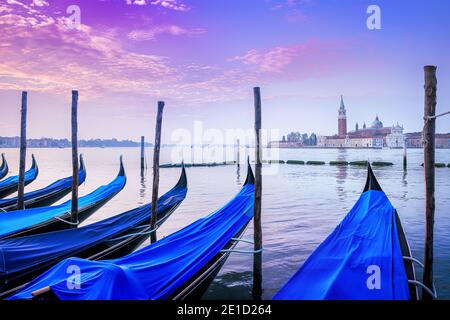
[[44, 55], [293, 61], [171, 4], [152, 33], [175, 5], [272, 60], [40, 3]]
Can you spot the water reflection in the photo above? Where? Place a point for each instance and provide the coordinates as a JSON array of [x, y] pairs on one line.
[[341, 174], [143, 187], [404, 185], [238, 175], [231, 285], [257, 277]]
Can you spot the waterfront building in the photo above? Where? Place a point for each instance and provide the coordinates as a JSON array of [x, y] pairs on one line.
[[414, 140], [375, 136]]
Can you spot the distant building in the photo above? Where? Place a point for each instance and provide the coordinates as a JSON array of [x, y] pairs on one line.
[[295, 140], [414, 140], [376, 136], [285, 144], [342, 120]]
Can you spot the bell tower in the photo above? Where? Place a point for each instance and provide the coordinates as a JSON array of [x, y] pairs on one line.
[[342, 119]]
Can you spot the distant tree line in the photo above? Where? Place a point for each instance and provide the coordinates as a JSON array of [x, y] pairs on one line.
[[14, 142], [310, 140]]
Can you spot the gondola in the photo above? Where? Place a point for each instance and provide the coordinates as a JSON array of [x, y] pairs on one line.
[[21, 259], [161, 270], [45, 196], [367, 256], [3, 168], [10, 185], [46, 219]]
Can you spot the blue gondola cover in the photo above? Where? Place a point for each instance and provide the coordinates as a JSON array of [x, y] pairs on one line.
[[3, 168], [23, 253], [360, 260], [15, 221], [60, 184], [156, 271], [30, 175]]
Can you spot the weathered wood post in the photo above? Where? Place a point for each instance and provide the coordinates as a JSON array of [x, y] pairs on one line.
[[142, 154], [429, 131], [74, 207], [257, 259], [156, 150], [23, 152], [405, 160]]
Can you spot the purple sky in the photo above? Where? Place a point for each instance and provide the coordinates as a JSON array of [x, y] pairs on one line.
[[203, 58]]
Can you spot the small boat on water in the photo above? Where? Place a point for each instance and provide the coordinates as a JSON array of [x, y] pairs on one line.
[[175, 267], [45, 196], [46, 219], [3, 168], [23, 258], [11, 184], [367, 256]]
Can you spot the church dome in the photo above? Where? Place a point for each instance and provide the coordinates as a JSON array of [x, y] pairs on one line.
[[377, 124]]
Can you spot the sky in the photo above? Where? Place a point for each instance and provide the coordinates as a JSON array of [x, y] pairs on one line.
[[204, 57]]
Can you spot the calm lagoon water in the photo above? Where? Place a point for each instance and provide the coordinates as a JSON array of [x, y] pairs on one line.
[[301, 204]]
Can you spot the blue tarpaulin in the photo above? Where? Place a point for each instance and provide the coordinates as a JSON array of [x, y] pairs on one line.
[[61, 184], [156, 271], [24, 253], [15, 221], [360, 260], [3, 168], [13, 181]]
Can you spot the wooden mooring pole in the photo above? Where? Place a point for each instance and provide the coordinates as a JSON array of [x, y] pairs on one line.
[[23, 152], [74, 121], [429, 131], [156, 151], [142, 154], [257, 259]]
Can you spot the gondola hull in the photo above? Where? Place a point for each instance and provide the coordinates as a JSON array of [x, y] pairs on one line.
[[104, 250], [108, 239], [122, 248], [55, 225], [47, 219], [362, 259], [156, 271], [11, 184], [3, 168], [46, 196], [200, 282]]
